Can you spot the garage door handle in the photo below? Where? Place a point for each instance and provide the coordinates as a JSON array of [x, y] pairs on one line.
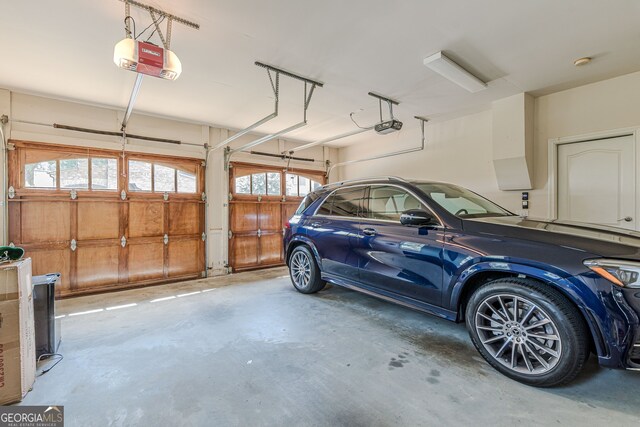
[[626, 218], [369, 231]]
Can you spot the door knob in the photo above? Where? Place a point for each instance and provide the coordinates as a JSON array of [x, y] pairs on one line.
[[369, 231], [626, 218]]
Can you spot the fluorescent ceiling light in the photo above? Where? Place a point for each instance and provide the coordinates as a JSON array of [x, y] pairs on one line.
[[447, 68]]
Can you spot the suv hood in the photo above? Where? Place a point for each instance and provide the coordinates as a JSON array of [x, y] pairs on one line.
[[595, 239]]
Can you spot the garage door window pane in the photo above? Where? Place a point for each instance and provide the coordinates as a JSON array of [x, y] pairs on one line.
[[104, 174], [243, 184], [74, 173], [164, 178], [292, 185], [40, 175], [139, 176], [259, 183], [273, 184], [186, 182], [304, 185]]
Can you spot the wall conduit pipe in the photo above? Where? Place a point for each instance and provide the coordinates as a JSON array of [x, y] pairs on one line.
[[5, 182]]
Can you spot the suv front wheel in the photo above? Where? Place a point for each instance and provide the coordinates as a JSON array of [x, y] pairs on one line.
[[527, 331]]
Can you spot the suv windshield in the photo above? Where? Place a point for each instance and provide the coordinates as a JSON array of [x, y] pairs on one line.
[[460, 201]]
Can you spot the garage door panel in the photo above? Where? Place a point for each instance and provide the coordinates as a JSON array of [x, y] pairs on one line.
[[45, 221], [183, 218], [146, 218], [244, 251], [270, 216], [15, 227], [97, 266], [259, 210], [244, 217], [98, 220], [48, 222], [271, 248], [289, 210], [184, 257], [53, 261], [146, 261]]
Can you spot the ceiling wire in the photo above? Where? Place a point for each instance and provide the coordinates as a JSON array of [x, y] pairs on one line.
[[160, 21], [356, 123], [149, 26], [127, 18]]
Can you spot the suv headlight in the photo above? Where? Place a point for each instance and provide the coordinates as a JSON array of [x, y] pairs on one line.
[[618, 272]]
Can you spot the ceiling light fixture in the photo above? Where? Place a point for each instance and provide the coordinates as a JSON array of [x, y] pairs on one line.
[[582, 61], [448, 69]]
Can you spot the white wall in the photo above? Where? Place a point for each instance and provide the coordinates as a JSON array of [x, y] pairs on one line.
[[604, 106], [460, 150], [31, 118]]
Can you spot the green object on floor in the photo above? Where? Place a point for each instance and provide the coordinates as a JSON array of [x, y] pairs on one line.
[[10, 253]]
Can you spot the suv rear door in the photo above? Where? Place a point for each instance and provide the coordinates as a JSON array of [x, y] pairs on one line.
[[334, 229], [404, 260]]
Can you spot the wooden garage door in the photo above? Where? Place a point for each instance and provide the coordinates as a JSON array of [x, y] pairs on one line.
[[262, 200], [104, 220]]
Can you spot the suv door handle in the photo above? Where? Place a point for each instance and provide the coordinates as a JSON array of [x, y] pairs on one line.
[[369, 231]]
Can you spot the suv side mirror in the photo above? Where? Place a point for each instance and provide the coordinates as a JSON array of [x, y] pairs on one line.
[[417, 217]]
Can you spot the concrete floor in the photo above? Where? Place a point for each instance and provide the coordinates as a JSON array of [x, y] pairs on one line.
[[260, 353]]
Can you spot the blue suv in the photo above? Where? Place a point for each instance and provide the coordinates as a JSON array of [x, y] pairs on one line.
[[537, 297]]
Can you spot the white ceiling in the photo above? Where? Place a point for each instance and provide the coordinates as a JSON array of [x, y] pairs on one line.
[[64, 49]]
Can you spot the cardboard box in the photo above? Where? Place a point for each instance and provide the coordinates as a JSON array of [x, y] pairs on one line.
[[17, 336]]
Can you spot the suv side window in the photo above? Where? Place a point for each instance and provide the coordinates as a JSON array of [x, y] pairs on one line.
[[345, 202], [388, 202], [306, 202]]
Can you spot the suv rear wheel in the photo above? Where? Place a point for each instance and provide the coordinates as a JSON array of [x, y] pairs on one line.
[[528, 332], [304, 271]]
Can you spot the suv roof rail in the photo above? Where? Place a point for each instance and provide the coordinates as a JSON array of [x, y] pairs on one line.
[[375, 178]]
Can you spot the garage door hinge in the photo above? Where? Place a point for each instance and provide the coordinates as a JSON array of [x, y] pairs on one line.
[[204, 236], [230, 196], [259, 232], [74, 245], [165, 239], [12, 192], [123, 241], [204, 196], [230, 234]]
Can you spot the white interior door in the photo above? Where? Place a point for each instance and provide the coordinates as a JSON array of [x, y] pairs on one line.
[[596, 182]]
